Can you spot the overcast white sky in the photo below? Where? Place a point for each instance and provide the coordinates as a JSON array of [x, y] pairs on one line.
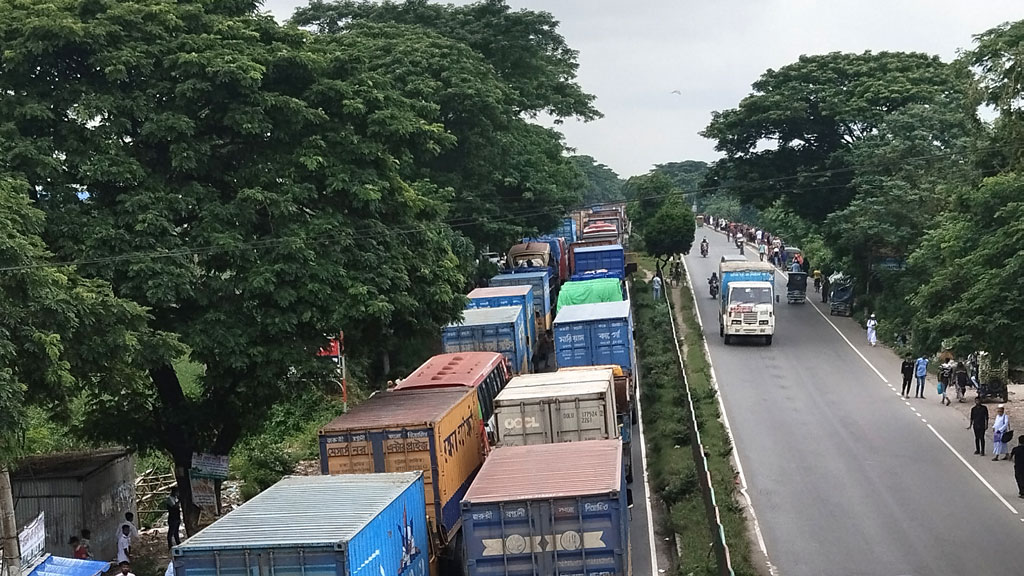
[[634, 53]]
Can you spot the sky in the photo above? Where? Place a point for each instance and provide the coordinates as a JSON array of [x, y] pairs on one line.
[[634, 53]]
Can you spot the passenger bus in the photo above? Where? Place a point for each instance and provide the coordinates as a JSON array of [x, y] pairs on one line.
[[488, 372]]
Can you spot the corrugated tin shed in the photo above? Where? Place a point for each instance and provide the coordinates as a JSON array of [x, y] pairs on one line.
[[597, 311], [456, 369], [499, 315], [303, 511], [411, 408], [549, 471], [90, 490]]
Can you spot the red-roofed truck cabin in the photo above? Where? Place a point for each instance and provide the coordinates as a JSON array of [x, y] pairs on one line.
[[488, 372]]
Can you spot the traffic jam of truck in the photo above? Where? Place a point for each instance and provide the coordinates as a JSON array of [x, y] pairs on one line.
[[507, 454]]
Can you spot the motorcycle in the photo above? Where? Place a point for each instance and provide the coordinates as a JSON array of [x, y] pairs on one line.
[[703, 250], [713, 286], [995, 390], [739, 244]]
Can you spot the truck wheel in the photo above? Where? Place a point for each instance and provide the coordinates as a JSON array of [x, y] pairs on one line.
[[768, 340], [728, 340]]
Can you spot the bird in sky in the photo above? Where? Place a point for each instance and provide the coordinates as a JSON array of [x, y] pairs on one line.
[[676, 92]]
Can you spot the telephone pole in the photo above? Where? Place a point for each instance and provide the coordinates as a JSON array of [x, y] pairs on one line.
[[8, 526]]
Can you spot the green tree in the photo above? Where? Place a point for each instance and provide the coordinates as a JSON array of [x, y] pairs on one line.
[[600, 183], [970, 267], [687, 176], [671, 231], [244, 181], [510, 177], [646, 195], [58, 331], [789, 139]]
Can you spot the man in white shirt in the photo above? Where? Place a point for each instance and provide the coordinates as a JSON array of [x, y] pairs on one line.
[[124, 548], [126, 569], [129, 521]]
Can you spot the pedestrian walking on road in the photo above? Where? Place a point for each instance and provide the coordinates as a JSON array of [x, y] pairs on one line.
[[979, 423], [761, 251], [1000, 433], [872, 330], [1017, 455], [920, 371], [960, 379], [825, 287], [657, 287], [907, 370]]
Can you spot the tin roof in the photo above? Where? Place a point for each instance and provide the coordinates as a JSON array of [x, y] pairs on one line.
[[521, 290], [67, 464], [499, 315], [596, 311], [303, 511], [405, 408], [567, 469], [457, 369], [605, 248]]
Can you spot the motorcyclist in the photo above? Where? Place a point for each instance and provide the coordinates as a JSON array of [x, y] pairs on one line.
[[704, 246], [713, 283]]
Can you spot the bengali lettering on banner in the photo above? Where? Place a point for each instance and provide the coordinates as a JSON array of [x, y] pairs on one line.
[[204, 494], [209, 466]]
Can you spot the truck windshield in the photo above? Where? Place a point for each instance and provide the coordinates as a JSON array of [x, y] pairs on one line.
[[529, 260], [750, 296]]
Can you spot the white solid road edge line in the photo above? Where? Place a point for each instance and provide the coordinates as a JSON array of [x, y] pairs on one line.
[[728, 429], [643, 461], [934, 431]]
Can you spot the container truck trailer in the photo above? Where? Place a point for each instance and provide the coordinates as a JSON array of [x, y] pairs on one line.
[[502, 329], [356, 525]]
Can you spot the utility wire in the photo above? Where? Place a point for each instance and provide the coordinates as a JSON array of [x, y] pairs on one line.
[[456, 223]]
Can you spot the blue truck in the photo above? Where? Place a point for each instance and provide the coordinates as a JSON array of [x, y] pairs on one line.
[[499, 296], [594, 334], [549, 509], [567, 230], [747, 300], [593, 258], [542, 296], [351, 525], [502, 329]]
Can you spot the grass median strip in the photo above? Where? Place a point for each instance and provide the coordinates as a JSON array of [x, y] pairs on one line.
[[673, 473]]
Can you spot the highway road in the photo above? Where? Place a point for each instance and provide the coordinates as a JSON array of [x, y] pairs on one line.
[[845, 477]]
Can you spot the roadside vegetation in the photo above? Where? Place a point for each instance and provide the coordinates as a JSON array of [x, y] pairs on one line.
[[672, 470]]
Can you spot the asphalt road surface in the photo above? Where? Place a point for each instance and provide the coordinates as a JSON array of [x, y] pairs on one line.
[[844, 478]]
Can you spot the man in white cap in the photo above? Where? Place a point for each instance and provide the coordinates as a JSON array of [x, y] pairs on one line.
[[872, 330]]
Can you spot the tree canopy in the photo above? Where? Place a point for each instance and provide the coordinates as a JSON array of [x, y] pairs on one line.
[[255, 187], [600, 183], [791, 137], [509, 176]]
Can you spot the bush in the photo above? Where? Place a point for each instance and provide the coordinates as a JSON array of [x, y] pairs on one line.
[[260, 463]]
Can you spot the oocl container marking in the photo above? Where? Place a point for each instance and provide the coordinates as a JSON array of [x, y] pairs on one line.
[[568, 541], [518, 423]]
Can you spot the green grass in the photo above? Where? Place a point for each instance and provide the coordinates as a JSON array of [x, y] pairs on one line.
[[673, 472]]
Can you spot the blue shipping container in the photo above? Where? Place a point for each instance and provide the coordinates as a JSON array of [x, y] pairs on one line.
[[541, 283], [594, 334], [549, 509], [509, 296], [350, 525], [500, 329], [611, 258], [567, 230]]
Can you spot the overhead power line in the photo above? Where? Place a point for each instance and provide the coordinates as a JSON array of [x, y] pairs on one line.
[[454, 223]]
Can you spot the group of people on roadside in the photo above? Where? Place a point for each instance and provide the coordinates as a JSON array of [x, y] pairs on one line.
[[956, 374], [128, 535]]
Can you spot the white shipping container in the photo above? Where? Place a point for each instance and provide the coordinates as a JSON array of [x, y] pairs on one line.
[[557, 407]]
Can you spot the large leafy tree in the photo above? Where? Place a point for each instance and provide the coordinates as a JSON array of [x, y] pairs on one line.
[[970, 267], [245, 182], [509, 175], [670, 231], [791, 137], [687, 175], [600, 183]]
